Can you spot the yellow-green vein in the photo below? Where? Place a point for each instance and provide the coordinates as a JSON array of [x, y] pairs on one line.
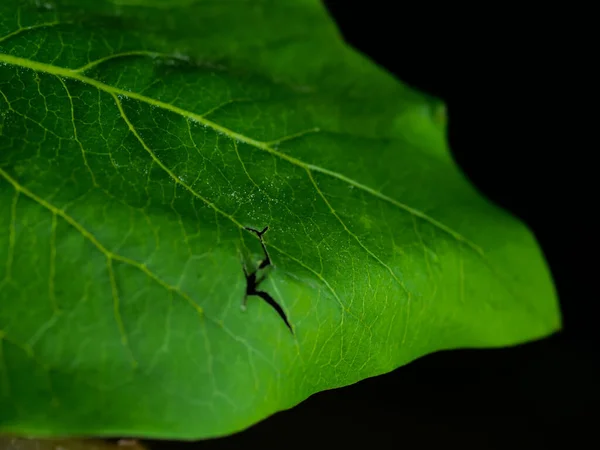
[[73, 74]]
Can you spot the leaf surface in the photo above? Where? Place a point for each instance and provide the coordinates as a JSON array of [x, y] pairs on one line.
[[139, 139]]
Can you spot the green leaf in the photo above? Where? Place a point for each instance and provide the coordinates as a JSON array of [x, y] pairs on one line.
[[137, 143]]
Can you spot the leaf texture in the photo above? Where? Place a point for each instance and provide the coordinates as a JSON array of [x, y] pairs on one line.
[[139, 139]]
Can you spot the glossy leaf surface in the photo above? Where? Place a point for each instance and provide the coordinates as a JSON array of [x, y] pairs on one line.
[[139, 138]]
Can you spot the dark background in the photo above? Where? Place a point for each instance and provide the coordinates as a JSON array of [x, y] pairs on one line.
[[508, 82]]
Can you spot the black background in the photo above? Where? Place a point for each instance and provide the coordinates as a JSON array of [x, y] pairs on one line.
[[508, 84]]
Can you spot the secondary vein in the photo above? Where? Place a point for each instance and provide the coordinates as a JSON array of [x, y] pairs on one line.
[[75, 74]]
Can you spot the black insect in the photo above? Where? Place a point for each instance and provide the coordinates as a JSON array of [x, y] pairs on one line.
[[253, 281]]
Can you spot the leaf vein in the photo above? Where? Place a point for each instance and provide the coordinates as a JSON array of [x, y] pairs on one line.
[[85, 161], [70, 73], [174, 177], [373, 255], [111, 256]]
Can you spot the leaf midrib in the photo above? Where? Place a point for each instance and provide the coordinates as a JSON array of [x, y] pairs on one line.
[[76, 75]]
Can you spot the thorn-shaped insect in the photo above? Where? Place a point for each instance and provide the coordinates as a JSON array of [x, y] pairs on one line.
[[253, 281]]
